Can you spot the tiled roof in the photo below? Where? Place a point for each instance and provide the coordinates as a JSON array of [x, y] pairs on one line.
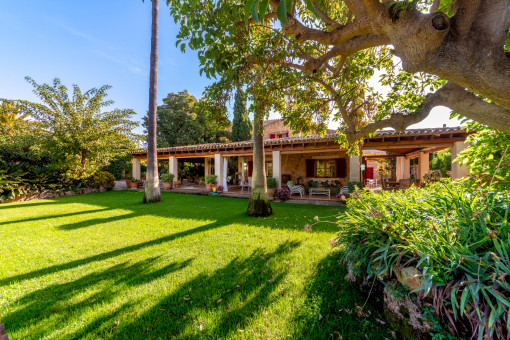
[[311, 138]]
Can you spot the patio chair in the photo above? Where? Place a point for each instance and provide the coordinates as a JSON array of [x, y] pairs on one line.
[[295, 189], [246, 184], [344, 191]]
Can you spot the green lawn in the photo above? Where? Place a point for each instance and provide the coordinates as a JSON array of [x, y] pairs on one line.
[[107, 266]]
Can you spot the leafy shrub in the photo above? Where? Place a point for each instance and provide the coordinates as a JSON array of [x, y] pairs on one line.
[[169, 178], [271, 183], [210, 179], [458, 237], [12, 184], [102, 179], [432, 176], [118, 165], [352, 186]]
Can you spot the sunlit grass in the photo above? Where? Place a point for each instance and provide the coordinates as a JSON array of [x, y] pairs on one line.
[[107, 266]]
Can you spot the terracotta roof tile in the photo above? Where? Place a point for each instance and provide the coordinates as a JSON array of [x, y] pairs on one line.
[[311, 138]]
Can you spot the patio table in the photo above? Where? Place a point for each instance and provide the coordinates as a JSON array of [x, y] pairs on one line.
[[319, 191]]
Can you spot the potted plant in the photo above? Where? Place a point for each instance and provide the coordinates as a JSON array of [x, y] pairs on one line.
[[134, 183], [219, 188], [177, 184], [167, 181], [271, 186], [210, 181], [282, 194]]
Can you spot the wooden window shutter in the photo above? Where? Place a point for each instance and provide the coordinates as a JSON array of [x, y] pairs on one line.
[[272, 136], [310, 168], [250, 168], [341, 167]]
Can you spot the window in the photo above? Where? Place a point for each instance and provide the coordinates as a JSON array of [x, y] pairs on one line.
[[325, 168], [282, 135]]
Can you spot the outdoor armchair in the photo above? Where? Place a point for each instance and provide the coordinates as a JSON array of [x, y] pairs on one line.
[[295, 189]]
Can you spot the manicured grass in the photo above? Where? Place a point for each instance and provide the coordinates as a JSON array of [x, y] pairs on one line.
[[107, 266]]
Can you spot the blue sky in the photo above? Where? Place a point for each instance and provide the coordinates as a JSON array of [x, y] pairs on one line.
[[94, 42]]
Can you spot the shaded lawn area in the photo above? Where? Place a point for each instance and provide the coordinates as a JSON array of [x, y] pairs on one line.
[[107, 266]]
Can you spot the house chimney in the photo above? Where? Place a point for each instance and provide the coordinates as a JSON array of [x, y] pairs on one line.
[[444, 125]]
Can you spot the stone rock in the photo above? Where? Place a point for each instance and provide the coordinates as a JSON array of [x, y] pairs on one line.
[[409, 276], [405, 316]]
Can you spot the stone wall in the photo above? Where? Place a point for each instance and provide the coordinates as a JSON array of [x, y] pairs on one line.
[[295, 165]]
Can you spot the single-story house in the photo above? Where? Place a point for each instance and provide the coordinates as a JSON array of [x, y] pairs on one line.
[[303, 158]]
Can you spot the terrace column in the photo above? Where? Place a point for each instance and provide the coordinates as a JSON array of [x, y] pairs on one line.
[[277, 168], [225, 170], [458, 171], [354, 169], [423, 164], [173, 167], [218, 168], [135, 166], [403, 168], [206, 166]]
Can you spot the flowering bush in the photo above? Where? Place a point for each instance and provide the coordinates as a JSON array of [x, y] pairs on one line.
[[282, 194], [219, 188]]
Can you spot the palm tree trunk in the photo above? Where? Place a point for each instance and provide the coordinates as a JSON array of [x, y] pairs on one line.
[[152, 193], [259, 205]]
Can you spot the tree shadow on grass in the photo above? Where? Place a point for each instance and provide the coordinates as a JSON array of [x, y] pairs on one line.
[[103, 256], [221, 210], [39, 306], [235, 293], [50, 217], [332, 308]]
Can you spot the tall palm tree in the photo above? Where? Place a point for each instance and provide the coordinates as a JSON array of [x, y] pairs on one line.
[[152, 193]]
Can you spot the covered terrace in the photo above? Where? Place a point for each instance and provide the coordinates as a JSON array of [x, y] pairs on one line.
[[302, 159]]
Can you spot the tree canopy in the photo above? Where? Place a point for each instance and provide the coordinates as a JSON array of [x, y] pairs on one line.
[[75, 130], [319, 58], [242, 127], [183, 120]]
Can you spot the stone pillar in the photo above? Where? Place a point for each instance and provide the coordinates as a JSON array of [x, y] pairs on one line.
[[225, 173], [206, 166], [173, 167], [458, 171], [407, 168], [354, 169], [399, 168], [218, 168], [403, 168], [135, 166], [277, 168], [423, 164], [240, 166]]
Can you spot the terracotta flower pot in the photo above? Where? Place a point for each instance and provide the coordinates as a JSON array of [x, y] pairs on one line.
[[177, 186], [133, 185], [167, 185], [209, 187], [128, 183]]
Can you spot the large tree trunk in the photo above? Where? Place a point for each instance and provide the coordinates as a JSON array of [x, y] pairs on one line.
[[259, 205], [152, 193]]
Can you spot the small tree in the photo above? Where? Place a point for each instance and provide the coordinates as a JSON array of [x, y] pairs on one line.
[[80, 137], [241, 124]]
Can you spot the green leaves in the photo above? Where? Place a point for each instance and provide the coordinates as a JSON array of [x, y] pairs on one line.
[[456, 236], [281, 12]]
